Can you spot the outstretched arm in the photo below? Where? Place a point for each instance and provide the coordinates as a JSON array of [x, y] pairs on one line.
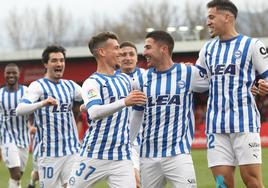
[[26, 107]]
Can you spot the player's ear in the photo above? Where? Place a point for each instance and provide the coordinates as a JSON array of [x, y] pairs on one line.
[[164, 49], [101, 52]]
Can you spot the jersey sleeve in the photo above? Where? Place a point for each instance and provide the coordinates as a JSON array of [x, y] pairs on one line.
[[33, 93], [91, 93], [260, 59], [201, 61], [199, 81], [78, 92]]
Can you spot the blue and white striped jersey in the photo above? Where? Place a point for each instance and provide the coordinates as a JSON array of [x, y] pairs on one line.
[[137, 76], [168, 124], [107, 138], [56, 127], [231, 67], [14, 129]]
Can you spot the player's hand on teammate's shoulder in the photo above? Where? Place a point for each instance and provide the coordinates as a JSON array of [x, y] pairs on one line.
[[135, 97], [50, 101]]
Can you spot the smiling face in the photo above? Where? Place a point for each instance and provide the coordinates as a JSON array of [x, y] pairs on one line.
[[216, 21], [152, 52], [129, 59], [11, 75], [112, 53], [55, 66]]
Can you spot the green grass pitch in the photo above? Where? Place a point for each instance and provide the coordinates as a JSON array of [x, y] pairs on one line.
[[204, 176]]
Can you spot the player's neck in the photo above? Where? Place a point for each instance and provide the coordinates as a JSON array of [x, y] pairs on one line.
[[12, 88], [106, 71], [229, 35], [55, 80], [128, 71], [165, 65]]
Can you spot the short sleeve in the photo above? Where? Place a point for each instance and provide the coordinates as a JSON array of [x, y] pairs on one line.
[[260, 59], [91, 93], [77, 92], [201, 61], [199, 81], [33, 93]]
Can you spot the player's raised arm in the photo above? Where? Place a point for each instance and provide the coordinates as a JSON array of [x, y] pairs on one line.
[[97, 110], [28, 104]]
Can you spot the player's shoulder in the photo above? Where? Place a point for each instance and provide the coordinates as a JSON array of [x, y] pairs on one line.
[[93, 80], [23, 87], [63, 81]]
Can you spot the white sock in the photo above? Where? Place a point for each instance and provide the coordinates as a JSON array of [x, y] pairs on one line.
[[13, 183]]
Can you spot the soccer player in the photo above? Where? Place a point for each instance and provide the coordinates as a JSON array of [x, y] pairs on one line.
[[14, 130], [231, 62], [129, 59], [105, 152], [168, 117], [51, 99]]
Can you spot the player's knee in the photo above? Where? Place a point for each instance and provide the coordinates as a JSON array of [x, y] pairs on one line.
[[253, 183]]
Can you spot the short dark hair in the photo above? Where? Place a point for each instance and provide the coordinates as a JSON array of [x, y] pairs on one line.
[[11, 65], [52, 49], [163, 37], [128, 44], [97, 40], [226, 5]]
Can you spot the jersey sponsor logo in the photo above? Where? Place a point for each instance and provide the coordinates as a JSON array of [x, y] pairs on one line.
[[221, 69], [10, 112], [92, 93], [63, 107], [181, 84], [263, 51], [163, 100], [237, 54]]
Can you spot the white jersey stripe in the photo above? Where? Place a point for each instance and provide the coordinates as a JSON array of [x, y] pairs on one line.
[[13, 128]]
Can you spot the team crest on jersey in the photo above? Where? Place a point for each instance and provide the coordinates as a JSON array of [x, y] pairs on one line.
[[237, 54], [181, 84], [92, 93]]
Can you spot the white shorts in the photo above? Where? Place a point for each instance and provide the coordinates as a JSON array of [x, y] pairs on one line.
[[178, 170], [233, 149], [135, 157], [14, 156], [86, 172], [35, 164], [54, 171]]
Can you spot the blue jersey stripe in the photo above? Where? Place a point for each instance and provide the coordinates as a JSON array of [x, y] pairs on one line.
[[209, 63], [222, 122], [215, 90], [241, 83], [148, 133], [167, 119], [176, 119]]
